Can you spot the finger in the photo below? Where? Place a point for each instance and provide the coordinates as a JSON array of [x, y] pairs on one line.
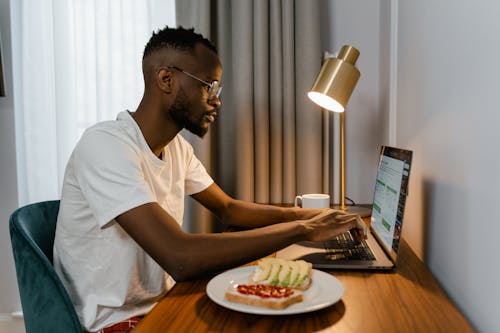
[[355, 233], [361, 225]]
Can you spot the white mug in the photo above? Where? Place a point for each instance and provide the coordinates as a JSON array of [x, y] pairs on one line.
[[313, 200]]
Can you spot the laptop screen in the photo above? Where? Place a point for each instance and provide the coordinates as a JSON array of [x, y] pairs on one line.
[[390, 197]]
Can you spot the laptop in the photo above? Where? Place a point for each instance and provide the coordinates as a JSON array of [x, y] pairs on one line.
[[380, 250]]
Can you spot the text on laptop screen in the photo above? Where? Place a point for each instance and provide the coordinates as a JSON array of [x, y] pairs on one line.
[[386, 214]]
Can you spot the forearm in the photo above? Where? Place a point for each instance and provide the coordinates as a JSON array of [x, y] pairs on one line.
[[252, 215], [246, 214], [213, 252]]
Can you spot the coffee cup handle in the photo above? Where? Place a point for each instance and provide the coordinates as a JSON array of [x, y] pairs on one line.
[[296, 202]]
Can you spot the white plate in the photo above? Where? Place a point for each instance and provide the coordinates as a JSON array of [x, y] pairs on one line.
[[324, 291]]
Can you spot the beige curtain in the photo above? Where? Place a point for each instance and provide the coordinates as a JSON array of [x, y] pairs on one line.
[[268, 144]]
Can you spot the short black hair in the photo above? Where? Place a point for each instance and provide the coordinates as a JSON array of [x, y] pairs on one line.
[[176, 38]]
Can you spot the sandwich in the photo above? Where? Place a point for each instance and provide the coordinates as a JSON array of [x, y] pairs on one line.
[[273, 284]]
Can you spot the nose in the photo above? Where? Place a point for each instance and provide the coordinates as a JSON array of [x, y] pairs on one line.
[[215, 102]]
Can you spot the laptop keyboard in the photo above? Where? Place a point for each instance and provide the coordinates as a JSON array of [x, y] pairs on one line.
[[345, 248]]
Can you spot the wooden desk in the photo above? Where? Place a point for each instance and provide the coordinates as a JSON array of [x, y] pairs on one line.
[[407, 299]]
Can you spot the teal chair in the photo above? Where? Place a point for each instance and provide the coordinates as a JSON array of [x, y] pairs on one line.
[[47, 307]]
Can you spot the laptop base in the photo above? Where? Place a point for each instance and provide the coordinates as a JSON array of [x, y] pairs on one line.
[[315, 253]]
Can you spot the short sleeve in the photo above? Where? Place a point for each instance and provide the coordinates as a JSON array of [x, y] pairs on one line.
[[108, 170], [196, 178]]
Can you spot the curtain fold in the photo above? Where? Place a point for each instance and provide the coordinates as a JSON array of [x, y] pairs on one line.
[[309, 119], [268, 144]]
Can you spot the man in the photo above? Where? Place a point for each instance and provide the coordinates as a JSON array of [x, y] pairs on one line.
[[119, 245]]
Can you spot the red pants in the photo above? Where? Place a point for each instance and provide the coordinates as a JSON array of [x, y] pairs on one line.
[[123, 326]]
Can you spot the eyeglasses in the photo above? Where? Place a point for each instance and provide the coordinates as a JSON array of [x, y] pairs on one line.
[[214, 88]]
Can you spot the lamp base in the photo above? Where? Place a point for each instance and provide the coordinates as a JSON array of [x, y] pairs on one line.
[[361, 210]]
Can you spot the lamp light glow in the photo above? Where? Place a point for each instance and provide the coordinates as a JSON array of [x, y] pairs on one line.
[[325, 101]]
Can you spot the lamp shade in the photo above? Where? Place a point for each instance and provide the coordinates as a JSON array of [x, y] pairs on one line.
[[336, 80]]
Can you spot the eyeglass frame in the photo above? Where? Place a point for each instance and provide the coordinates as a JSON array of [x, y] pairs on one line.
[[214, 88]]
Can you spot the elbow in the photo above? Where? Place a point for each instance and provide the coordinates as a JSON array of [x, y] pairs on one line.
[[185, 275], [181, 273], [226, 215], [182, 269]]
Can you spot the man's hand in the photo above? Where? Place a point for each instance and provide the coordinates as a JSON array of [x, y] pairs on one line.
[[331, 223]]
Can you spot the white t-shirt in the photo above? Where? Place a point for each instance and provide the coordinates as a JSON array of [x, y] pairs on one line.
[[112, 170]]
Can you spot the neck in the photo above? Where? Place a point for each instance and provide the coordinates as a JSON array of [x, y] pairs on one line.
[[157, 128]]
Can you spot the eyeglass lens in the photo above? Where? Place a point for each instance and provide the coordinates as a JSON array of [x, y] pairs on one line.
[[215, 89]]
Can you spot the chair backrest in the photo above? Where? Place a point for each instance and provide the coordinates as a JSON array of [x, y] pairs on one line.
[[46, 304]]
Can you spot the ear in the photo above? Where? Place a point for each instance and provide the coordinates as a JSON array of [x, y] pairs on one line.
[[165, 80]]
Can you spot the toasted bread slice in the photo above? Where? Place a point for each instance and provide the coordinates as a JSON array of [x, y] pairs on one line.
[[233, 295]]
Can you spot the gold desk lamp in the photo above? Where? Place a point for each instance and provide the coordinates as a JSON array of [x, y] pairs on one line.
[[331, 90]]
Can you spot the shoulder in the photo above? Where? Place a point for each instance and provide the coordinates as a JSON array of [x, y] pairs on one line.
[[106, 139], [122, 129]]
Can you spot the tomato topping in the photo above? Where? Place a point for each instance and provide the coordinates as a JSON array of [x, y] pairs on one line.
[[264, 291]]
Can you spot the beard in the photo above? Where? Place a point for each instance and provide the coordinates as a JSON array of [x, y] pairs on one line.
[[181, 110]]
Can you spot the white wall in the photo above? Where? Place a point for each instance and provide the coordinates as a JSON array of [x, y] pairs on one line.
[[9, 299], [431, 83], [448, 112]]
